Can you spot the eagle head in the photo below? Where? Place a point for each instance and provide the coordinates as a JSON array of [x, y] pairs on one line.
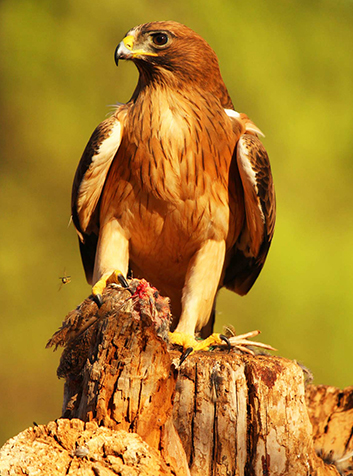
[[169, 52]]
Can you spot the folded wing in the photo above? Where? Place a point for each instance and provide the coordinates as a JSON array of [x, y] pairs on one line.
[[88, 185], [248, 255]]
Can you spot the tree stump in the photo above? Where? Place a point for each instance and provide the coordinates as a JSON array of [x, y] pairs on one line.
[[331, 414], [219, 413], [245, 415], [118, 370]]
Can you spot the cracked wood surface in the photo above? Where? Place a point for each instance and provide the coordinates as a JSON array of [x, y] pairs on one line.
[[245, 415], [71, 447], [331, 414], [118, 372], [219, 414]]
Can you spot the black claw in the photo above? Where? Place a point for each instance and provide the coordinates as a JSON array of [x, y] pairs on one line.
[[98, 299], [125, 284], [186, 353], [226, 340], [123, 281]]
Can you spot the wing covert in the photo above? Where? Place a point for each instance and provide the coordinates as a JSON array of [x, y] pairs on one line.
[[88, 184], [249, 252]]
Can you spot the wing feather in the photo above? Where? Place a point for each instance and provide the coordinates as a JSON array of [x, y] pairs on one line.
[[88, 184], [248, 255]]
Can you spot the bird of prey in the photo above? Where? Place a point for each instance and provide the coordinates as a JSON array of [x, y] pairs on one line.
[[175, 186]]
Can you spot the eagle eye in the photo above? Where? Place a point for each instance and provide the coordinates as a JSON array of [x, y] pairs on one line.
[[160, 39]]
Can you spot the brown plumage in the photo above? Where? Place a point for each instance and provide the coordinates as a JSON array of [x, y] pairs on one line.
[[175, 185]]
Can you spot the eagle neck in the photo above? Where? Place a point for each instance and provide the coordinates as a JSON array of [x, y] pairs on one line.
[[157, 79]]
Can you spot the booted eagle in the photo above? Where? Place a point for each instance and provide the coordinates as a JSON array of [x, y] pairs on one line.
[[175, 186]]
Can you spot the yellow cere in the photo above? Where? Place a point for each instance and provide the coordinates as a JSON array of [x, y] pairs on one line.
[[129, 43]]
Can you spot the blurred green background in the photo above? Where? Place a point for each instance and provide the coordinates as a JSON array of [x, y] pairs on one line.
[[287, 64]]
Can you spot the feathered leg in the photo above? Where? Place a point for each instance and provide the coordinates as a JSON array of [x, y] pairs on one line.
[[201, 284], [112, 257]]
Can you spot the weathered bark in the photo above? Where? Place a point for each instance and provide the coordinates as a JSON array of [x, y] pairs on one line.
[[219, 413], [245, 415], [118, 372], [72, 447], [331, 414]]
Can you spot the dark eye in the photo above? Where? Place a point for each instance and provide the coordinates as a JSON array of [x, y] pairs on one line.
[[160, 39]]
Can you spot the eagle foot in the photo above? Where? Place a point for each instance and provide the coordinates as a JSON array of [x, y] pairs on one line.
[[240, 342], [213, 340], [116, 277], [188, 341]]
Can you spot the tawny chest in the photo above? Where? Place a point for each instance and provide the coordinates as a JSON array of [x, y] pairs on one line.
[[170, 181], [149, 190]]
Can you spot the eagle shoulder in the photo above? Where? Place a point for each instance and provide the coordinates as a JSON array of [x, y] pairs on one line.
[[88, 184], [248, 255], [92, 172]]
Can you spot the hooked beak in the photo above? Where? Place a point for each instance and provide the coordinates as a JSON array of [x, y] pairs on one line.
[[124, 49]]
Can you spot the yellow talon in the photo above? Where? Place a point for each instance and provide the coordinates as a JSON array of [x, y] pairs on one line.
[[239, 342], [180, 338], [188, 340], [212, 340], [105, 280]]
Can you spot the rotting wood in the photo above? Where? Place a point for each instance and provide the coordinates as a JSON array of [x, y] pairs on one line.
[[219, 413], [253, 423], [118, 372], [331, 413], [72, 447]]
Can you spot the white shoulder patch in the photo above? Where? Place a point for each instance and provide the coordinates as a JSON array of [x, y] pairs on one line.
[[246, 164], [250, 127], [255, 218], [232, 113], [93, 181], [108, 147], [246, 167]]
